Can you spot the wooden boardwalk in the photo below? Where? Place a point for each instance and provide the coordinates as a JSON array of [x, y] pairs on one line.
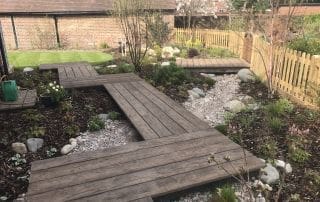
[[26, 99], [172, 158], [229, 65]]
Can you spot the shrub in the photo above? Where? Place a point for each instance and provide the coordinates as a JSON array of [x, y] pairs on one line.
[[280, 108], [172, 74], [192, 52], [159, 29], [95, 124], [219, 53], [304, 44], [268, 148], [36, 131], [104, 45], [114, 115], [197, 44], [222, 128], [226, 194], [209, 81], [298, 154], [275, 124], [72, 130]]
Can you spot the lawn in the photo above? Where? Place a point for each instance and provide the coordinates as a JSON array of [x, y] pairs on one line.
[[20, 59]]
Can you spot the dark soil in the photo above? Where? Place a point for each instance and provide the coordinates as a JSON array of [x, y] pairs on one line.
[[16, 125], [251, 129]]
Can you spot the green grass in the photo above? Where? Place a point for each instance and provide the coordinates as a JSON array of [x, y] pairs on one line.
[[21, 59]]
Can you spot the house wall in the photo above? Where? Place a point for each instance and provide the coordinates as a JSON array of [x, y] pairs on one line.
[[75, 32]]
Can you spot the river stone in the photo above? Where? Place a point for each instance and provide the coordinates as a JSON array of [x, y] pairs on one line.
[[199, 92], [34, 144], [234, 106], [28, 69], [246, 99], [19, 147], [193, 95], [246, 75], [103, 117], [270, 174], [285, 166], [111, 66]]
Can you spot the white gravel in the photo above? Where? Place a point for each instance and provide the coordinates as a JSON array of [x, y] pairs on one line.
[[116, 133], [210, 108]]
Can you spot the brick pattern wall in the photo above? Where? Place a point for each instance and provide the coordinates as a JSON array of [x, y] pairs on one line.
[[75, 32]]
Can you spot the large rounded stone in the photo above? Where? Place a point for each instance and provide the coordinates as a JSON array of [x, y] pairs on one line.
[[245, 75], [234, 106], [34, 144], [19, 148], [270, 174]]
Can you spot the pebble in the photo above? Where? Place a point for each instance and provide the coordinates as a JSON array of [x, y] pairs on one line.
[[28, 69], [283, 165], [19, 148], [69, 147], [116, 133]]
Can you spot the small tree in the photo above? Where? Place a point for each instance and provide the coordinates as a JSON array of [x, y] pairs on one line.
[[159, 29], [132, 15]]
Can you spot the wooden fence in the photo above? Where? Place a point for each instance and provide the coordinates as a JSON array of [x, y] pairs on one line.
[[294, 74]]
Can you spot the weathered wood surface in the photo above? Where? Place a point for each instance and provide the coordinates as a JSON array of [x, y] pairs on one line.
[[152, 113], [230, 65], [138, 171], [26, 99], [173, 157]]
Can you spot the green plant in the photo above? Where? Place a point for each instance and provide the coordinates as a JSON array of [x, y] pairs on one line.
[[159, 29], [209, 81], [72, 130], [246, 121], [228, 116], [172, 74], [268, 148], [32, 116], [275, 124], [197, 44], [305, 44], [314, 176], [280, 108], [226, 194], [114, 115], [193, 52], [219, 53], [18, 160], [298, 154], [104, 45], [36, 131], [95, 124], [51, 152], [222, 128], [65, 106], [56, 92]]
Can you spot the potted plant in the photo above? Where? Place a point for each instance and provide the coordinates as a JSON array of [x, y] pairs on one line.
[[52, 95]]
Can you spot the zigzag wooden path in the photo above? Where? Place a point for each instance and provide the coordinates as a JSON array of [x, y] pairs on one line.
[[172, 158]]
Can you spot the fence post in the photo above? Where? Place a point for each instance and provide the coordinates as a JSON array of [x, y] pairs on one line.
[[316, 65]]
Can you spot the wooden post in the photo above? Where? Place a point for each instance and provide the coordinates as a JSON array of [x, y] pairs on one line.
[[3, 56]]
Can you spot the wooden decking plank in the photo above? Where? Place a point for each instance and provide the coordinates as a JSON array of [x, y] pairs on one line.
[[166, 120], [140, 124], [196, 161], [152, 121], [126, 169], [77, 72], [85, 72], [26, 99], [62, 74], [187, 125], [164, 186], [124, 158], [168, 171], [131, 147], [199, 124], [69, 72]]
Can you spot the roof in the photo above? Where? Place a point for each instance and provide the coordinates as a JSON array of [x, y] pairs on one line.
[[70, 6]]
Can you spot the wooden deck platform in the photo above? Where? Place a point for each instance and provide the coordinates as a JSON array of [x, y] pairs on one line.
[[172, 158], [137, 171], [229, 65], [26, 99]]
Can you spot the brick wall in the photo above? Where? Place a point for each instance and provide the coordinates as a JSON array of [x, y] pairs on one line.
[[75, 32]]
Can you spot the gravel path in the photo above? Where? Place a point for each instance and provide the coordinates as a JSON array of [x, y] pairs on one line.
[[116, 133], [210, 107]]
